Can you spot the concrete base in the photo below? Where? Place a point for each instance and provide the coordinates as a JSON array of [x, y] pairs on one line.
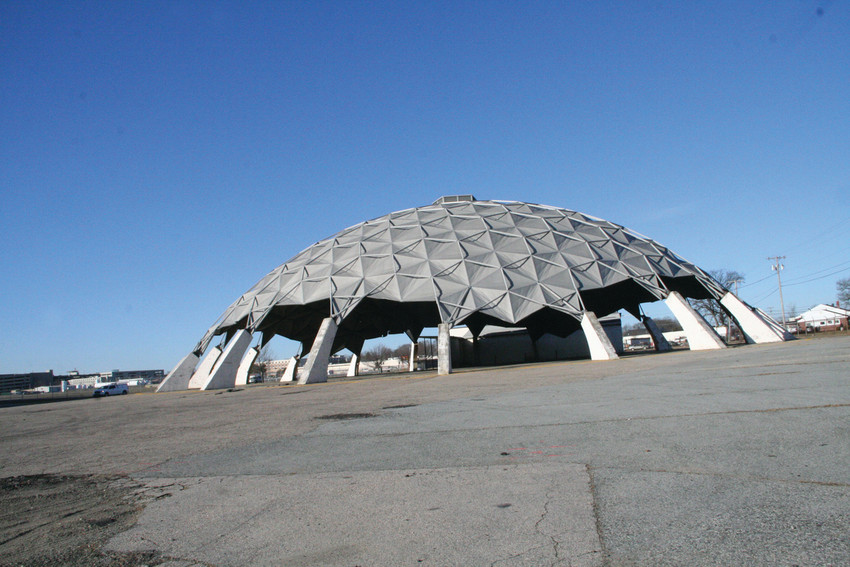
[[700, 334], [291, 370], [444, 349], [245, 366], [600, 347], [661, 344], [202, 374], [316, 369], [178, 378], [755, 329], [354, 366], [223, 374]]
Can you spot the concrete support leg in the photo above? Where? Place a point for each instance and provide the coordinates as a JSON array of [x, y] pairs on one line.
[[700, 334], [245, 366], [316, 369], [661, 344], [223, 374], [444, 349], [354, 366], [755, 329], [414, 354], [178, 378], [291, 370], [775, 325], [199, 378], [600, 346]]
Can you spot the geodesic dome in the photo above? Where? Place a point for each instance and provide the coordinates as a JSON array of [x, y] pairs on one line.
[[462, 261]]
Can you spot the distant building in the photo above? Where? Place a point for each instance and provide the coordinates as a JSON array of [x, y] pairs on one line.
[[152, 376], [822, 317], [28, 381]]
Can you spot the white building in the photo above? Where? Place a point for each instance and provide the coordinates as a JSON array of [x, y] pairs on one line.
[[822, 317]]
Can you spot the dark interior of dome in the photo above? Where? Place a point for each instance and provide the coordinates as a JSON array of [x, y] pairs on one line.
[[688, 286], [373, 318]]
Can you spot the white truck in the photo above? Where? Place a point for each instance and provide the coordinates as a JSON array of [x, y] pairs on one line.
[[111, 389]]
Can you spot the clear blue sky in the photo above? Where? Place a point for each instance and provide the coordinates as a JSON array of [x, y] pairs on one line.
[[158, 158]]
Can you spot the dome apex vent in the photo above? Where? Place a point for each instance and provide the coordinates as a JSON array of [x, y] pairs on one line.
[[454, 199]]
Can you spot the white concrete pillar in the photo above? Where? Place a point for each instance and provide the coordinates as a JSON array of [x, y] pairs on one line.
[[661, 344], [700, 334], [316, 369], [444, 349], [414, 353], [245, 366], [199, 378], [755, 329], [178, 378], [354, 365], [223, 374], [291, 370], [598, 342]]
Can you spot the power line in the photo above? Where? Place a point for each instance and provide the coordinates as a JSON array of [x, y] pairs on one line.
[[819, 277], [778, 268], [762, 298], [794, 281], [757, 281]]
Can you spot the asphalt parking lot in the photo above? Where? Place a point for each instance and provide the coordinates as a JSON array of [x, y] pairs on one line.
[[738, 457]]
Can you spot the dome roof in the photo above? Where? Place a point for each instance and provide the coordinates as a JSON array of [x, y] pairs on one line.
[[463, 261]]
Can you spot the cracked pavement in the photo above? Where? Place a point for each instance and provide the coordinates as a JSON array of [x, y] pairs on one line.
[[687, 458]]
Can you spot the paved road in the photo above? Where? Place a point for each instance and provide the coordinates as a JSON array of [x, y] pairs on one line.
[[737, 457]]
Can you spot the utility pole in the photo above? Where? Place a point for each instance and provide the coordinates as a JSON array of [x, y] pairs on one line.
[[777, 267], [736, 282]]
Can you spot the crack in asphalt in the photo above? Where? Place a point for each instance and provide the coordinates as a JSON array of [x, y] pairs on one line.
[[594, 494]]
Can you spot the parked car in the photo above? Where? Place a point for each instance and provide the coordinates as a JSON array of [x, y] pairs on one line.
[[111, 390]]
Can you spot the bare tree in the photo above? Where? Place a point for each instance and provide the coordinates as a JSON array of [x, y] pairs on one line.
[[377, 356], [402, 352], [843, 287], [710, 308], [261, 363]]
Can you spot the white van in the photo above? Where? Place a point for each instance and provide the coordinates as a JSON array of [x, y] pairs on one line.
[[111, 390]]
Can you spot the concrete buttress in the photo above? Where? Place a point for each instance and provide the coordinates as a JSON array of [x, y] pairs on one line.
[[223, 374], [202, 374], [598, 342], [316, 369], [178, 378], [700, 334]]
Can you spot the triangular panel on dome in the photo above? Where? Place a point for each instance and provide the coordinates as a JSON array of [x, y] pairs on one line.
[[507, 242], [375, 230], [490, 280], [414, 289], [610, 273], [352, 267], [463, 224], [413, 266], [383, 264], [587, 276], [377, 247], [448, 269], [402, 236], [316, 270], [442, 249], [316, 290]]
